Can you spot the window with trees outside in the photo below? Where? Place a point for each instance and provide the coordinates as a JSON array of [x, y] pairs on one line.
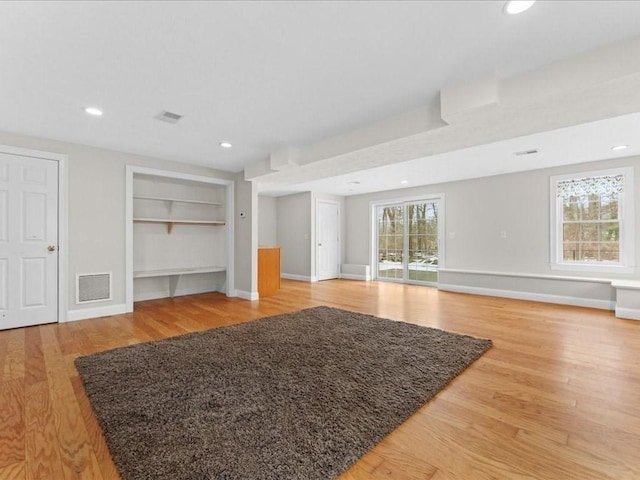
[[592, 221]]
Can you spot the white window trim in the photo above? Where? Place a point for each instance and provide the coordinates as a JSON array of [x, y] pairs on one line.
[[373, 236], [627, 245]]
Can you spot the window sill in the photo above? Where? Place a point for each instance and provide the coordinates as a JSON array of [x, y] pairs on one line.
[[592, 268]]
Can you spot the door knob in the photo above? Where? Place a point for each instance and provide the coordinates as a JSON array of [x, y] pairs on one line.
[[51, 248]]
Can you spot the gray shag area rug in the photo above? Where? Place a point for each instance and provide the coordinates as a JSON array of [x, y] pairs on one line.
[[296, 396]]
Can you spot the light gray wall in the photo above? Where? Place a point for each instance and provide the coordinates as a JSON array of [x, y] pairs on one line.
[[96, 199], [267, 221], [246, 244], [295, 220], [478, 210], [294, 233]]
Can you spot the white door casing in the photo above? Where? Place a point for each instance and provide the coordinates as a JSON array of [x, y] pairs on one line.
[[28, 240], [391, 261], [327, 239]]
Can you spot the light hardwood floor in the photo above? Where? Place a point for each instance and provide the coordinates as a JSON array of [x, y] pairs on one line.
[[557, 397]]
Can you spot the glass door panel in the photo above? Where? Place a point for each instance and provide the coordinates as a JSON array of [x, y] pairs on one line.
[[390, 221], [422, 242]]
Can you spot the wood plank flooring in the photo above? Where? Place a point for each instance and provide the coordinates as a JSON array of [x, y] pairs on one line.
[[557, 397]]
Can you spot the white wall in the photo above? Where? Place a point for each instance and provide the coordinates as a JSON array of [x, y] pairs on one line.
[[96, 187], [267, 221]]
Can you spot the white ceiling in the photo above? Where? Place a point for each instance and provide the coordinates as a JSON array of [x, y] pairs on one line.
[[264, 75]]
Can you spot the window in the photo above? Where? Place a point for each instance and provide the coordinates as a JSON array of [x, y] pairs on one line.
[[592, 221]]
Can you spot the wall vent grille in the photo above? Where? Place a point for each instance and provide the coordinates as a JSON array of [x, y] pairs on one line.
[[168, 117], [93, 287]]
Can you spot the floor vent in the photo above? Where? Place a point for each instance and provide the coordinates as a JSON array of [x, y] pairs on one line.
[[93, 287]]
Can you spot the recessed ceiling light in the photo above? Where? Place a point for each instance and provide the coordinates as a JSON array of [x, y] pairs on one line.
[[354, 182], [93, 111], [404, 182], [225, 145], [513, 7], [619, 147]]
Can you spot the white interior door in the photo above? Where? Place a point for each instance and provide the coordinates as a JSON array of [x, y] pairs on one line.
[[28, 241], [328, 241]]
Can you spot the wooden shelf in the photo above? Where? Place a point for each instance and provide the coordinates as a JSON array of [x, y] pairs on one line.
[[180, 200], [171, 222], [174, 274]]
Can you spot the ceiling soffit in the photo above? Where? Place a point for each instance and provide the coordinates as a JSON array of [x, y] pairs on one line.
[[600, 84]]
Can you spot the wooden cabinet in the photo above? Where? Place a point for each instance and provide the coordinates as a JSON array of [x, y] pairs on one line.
[[268, 271]]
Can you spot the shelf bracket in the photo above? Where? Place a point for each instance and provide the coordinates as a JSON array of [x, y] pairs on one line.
[[169, 227]]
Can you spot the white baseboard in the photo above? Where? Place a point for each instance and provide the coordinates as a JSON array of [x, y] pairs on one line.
[[300, 278], [535, 297], [352, 271], [95, 312], [351, 276], [628, 313], [525, 275], [246, 295], [153, 295]]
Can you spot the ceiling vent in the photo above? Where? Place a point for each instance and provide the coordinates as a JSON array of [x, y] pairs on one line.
[[526, 152], [168, 117]]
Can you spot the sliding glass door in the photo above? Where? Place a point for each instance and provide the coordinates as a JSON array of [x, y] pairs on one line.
[[407, 241]]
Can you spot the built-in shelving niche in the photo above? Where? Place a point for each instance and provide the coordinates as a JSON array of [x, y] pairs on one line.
[[180, 236]]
